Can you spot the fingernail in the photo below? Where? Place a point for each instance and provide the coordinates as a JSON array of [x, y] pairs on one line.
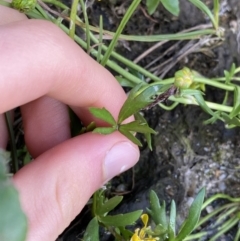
[[119, 158]]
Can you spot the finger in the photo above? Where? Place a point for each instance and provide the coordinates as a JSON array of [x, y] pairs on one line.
[[44, 60], [8, 15], [47, 120], [60, 69], [65, 177]]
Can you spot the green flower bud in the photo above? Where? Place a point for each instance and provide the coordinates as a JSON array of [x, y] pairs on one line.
[[24, 5], [183, 78]]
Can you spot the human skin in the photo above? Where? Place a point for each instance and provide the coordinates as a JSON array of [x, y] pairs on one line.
[[43, 71]]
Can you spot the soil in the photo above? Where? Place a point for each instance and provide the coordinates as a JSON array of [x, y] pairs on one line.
[[187, 154]]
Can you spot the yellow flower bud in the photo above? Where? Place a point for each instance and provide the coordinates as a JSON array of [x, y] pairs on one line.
[[183, 78], [24, 5]]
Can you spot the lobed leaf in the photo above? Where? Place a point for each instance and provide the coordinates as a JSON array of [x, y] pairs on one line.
[[157, 212], [109, 205], [137, 126], [104, 130], [193, 216], [152, 6], [139, 97], [121, 220], [130, 136], [92, 231], [172, 6], [13, 222], [103, 114]]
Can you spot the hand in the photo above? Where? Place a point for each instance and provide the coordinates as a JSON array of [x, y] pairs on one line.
[[43, 70]]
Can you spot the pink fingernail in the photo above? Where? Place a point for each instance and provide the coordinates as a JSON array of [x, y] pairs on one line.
[[122, 156]]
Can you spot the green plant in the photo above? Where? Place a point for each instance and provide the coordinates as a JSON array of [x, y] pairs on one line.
[[12, 216], [116, 224], [163, 230], [186, 87], [171, 5]]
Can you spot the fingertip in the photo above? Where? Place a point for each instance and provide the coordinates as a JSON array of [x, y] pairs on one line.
[[57, 185]]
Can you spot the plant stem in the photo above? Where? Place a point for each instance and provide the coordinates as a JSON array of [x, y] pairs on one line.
[[73, 14], [12, 141], [86, 24], [120, 28]]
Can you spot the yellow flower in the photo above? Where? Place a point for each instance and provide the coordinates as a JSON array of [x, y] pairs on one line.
[[143, 233]]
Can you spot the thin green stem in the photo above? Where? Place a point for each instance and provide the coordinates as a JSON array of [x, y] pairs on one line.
[[192, 101], [34, 15], [229, 213], [12, 141], [100, 39], [204, 8], [57, 3], [73, 14], [43, 12], [120, 28], [128, 62], [225, 227], [216, 6], [168, 108], [237, 237], [195, 236], [214, 83], [110, 63], [221, 196], [213, 213], [86, 24]]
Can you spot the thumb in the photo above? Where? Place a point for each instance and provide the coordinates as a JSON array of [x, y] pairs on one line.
[[56, 186]]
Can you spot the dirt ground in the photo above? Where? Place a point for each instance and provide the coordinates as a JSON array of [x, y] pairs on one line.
[[187, 155]]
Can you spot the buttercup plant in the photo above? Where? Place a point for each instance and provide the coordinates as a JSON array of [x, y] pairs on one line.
[[187, 87]]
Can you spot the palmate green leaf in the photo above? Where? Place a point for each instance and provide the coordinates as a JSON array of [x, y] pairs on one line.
[[157, 212], [137, 126], [130, 136], [236, 104], [147, 136], [13, 222], [121, 220], [152, 6], [109, 205], [103, 114], [104, 130], [139, 97], [193, 216], [172, 221], [172, 6], [92, 231]]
